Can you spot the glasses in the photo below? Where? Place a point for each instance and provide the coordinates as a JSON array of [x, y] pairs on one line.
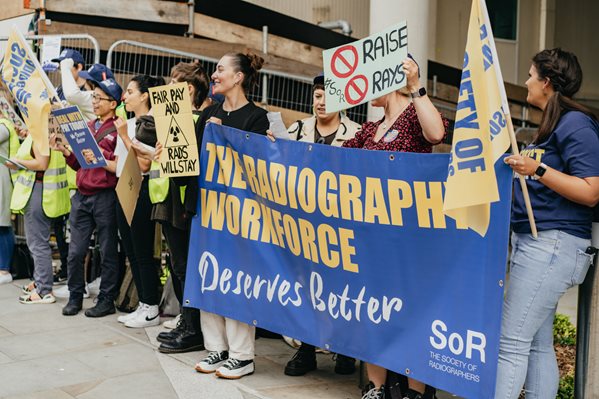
[[97, 97]]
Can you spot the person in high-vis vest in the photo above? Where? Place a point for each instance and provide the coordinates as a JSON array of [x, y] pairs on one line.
[[167, 195], [9, 144], [41, 192]]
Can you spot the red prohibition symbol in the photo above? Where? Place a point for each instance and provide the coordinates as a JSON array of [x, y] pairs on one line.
[[347, 56], [356, 91]]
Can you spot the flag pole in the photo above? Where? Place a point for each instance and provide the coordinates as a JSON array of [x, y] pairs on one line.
[[516, 151]]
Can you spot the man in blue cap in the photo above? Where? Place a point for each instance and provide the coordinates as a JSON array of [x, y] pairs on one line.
[[76, 65], [78, 91]]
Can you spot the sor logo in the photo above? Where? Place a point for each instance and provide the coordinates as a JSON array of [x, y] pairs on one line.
[[474, 341]]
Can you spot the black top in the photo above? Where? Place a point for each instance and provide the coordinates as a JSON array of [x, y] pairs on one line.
[[249, 118]]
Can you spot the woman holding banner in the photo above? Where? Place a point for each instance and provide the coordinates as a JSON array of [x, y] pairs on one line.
[[562, 169], [411, 124], [230, 343]]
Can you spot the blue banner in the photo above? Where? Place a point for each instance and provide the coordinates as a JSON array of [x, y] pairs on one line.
[[80, 138], [349, 250]]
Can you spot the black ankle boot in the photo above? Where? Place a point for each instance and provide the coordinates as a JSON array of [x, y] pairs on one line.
[[345, 365], [104, 307], [303, 361], [73, 306], [166, 336], [411, 394], [190, 338]]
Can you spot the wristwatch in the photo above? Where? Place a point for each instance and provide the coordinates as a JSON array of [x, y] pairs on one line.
[[420, 93], [541, 169]]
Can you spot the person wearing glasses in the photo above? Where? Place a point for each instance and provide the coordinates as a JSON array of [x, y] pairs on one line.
[[94, 206]]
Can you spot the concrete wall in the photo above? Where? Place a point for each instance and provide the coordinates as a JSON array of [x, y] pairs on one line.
[[514, 56], [575, 31], [356, 12]]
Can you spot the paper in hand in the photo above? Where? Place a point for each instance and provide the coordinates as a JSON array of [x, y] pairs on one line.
[[277, 127]]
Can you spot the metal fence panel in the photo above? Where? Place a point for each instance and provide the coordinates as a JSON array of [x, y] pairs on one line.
[[86, 44], [128, 58]]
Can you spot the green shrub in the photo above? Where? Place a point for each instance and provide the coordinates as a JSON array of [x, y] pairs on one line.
[[566, 387], [564, 332]]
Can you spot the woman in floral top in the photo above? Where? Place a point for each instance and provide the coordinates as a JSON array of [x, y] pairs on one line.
[[411, 124]]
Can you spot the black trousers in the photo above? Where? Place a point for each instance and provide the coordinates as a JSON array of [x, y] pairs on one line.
[[178, 242], [138, 242]]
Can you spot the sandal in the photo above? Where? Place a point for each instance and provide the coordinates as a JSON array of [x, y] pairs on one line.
[[29, 288], [30, 300]]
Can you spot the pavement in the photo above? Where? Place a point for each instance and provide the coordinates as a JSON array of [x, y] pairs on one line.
[[46, 355]]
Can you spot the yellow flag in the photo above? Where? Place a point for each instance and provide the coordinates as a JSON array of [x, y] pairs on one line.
[[24, 81], [481, 133]]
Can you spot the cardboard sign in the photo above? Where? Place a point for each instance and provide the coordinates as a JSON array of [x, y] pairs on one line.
[[127, 189], [79, 136], [365, 69], [175, 130]]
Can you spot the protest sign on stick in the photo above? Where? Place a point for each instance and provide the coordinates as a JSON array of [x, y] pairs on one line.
[[365, 69], [175, 130]]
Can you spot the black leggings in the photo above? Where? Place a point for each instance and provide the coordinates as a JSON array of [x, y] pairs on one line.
[[138, 242], [178, 242]]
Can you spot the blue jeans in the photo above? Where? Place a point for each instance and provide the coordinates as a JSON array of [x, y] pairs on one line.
[[7, 245], [542, 269]]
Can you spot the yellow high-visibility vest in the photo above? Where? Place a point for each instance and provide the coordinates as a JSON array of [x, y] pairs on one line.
[[55, 195]]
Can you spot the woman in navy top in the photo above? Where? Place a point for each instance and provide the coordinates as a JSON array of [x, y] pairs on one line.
[[561, 168]]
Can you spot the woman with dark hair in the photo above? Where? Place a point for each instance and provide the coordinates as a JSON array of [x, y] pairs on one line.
[[562, 175], [230, 342], [137, 239]]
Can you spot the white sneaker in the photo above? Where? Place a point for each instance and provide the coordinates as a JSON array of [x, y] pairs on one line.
[[5, 278], [124, 318], [149, 316], [234, 369], [93, 288], [63, 292], [172, 323]]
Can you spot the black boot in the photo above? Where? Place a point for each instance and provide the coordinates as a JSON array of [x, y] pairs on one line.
[[166, 336], [190, 339], [73, 306], [345, 365], [104, 307], [303, 361], [411, 394]]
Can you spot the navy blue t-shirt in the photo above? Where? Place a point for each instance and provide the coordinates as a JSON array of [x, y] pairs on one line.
[[572, 148]]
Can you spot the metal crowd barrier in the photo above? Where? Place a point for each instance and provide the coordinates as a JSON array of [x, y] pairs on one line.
[[127, 58], [86, 44]]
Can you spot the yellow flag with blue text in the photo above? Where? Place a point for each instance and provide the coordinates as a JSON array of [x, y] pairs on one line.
[[24, 80], [481, 133]]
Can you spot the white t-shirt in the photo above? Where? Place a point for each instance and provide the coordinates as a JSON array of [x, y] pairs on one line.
[[121, 150]]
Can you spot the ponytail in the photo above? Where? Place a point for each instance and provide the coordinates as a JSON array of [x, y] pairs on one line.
[[565, 75]]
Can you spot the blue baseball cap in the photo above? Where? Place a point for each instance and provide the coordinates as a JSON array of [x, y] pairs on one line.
[[70, 53], [97, 73], [111, 87]]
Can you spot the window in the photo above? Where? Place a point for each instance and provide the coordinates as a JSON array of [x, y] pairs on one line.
[[504, 18]]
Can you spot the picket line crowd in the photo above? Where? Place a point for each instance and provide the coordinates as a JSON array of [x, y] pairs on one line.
[[564, 187]]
